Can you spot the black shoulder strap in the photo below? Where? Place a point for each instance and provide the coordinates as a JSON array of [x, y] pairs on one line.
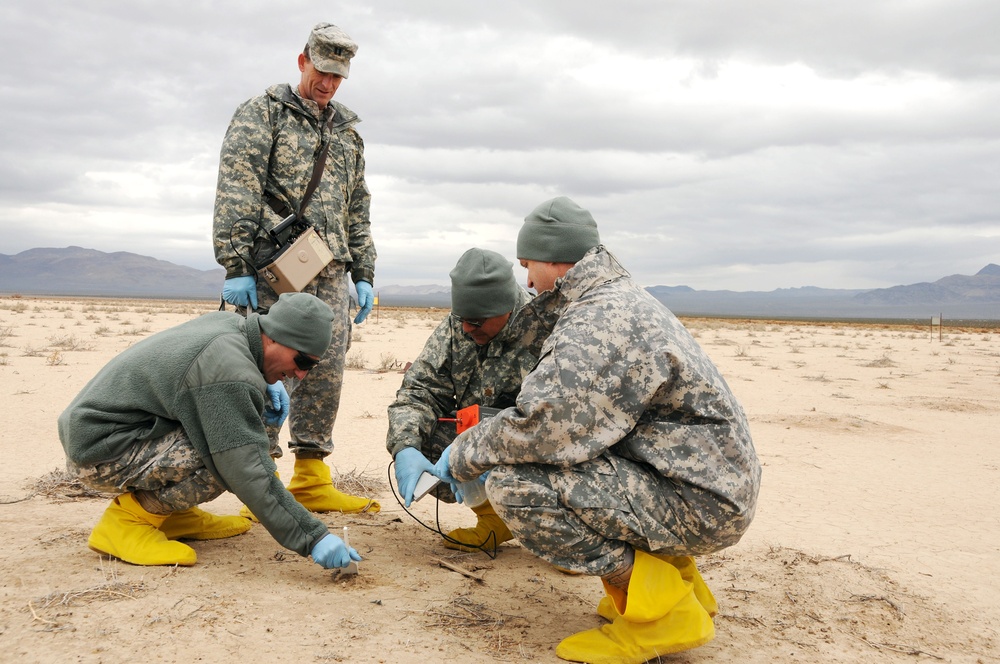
[[281, 209], [324, 150]]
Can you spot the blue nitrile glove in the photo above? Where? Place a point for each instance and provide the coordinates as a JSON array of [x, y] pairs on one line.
[[441, 469], [410, 464], [366, 300], [457, 488], [240, 291], [276, 412], [331, 552]]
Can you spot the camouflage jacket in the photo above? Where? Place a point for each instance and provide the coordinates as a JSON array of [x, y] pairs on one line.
[[619, 377], [271, 147], [453, 372]]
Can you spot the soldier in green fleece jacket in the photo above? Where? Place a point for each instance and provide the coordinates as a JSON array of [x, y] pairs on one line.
[[177, 419]]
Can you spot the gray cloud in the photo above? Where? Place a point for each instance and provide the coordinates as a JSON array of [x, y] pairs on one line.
[[724, 145]]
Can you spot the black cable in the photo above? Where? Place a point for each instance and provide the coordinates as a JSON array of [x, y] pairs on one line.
[[491, 552]]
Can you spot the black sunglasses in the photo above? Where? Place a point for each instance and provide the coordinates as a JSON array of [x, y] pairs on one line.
[[304, 362], [471, 322]]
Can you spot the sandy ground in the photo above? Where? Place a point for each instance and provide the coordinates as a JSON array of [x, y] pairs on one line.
[[877, 537]]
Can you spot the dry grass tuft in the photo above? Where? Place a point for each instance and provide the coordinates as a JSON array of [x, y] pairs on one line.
[[359, 483], [463, 612], [112, 590], [883, 362], [387, 363], [61, 487], [54, 604], [355, 360], [502, 631]]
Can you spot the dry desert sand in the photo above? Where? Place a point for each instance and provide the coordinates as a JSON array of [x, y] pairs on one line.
[[876, 539]]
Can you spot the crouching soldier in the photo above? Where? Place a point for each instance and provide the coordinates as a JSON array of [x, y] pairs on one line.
[[178, 419]]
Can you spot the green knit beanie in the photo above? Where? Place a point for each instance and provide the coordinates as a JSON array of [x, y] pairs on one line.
[[557, 231], [483, 285], [300, 321]]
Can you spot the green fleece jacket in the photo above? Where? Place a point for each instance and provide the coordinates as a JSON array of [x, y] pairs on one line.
[[204, 376]]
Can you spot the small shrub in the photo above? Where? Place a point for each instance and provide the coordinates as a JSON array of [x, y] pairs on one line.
[[69, 342], [883, 362], [355, 360], [388, 362]]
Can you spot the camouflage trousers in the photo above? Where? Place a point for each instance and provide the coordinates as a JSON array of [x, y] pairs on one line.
[[167, 470], [315, 399], [587, 517]]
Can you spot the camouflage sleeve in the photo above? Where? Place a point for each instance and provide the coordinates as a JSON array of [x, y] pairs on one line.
[[243, 165], [359, 234], [427, 393], [584, 395]]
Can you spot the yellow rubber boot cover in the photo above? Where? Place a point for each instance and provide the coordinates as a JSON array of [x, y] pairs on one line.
[[245, 511], [312, 487], [488, 525], [613, 602], [606, 609], [689, 572], [197, 524], [129, 532], [661, 616]]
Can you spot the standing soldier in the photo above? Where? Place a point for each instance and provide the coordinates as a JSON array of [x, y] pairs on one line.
[[272, 146]]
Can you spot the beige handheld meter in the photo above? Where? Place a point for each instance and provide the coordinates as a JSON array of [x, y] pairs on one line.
[[292, 268]]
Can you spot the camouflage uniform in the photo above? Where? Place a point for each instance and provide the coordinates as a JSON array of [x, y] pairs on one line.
[[270, 149], [624, 435], [453, 372], [316, 398], [168, 467]]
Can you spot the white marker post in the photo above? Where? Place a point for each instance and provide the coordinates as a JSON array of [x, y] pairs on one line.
[[352, 567]]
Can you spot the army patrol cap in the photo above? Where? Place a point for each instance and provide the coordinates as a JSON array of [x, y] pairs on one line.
[[557, 231], [300, 321], [331, 49], [483, 285]]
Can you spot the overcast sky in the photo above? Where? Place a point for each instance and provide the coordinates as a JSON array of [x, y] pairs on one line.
[[743, 145]]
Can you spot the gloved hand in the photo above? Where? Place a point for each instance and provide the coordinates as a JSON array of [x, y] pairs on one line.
[[410, 464], [366, 300], [457, 488], [277, 411], [241, 291], [442, 470], [331, 552]]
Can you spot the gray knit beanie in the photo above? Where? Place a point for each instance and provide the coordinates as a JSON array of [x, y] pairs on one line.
[[483, 285], [300, 321], [557, 231]]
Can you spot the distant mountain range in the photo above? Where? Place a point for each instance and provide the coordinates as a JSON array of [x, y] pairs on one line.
[[975, 297], [79, 271], [75, 271]]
